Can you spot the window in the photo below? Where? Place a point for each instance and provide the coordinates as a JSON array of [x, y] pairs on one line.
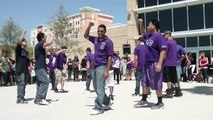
[[180, 41], [208, 15], [212, 40], [165, 19], [204, 41], [140, 3], [164, 1], [191, 42], [180, 19], [150, 2], [150, 16], [196, 17], [211, 57]]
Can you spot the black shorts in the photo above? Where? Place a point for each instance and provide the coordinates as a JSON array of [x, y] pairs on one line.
[[170, 74]]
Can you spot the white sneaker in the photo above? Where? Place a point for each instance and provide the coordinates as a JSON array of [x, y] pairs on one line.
[[43, 102], [96, 112]]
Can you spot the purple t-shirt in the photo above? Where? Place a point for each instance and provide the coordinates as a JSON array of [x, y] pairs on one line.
[[171, 56], [103, 49], [90, 58], [180, 51], [129, 65], [141, 54], [116, 61], [61, 60], [154, 43], [52, 62]]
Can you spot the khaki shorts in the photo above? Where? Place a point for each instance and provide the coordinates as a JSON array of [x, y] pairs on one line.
[[59, 75]]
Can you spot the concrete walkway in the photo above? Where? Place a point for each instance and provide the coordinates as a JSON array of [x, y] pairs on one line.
[[196, 104]]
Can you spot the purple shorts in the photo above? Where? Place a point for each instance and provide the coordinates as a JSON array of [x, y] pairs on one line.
[[151, 78]]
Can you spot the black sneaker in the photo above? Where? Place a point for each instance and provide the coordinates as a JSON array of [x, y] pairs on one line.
[[167, 96], [135, 94], [56, 90], [141, 104], [178, 94], [108, 107], [22, 102], [64, 91], [111, 97], [158, 106], [41, 102]]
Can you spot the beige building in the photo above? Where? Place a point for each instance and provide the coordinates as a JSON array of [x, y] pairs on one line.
[[77, 21], [120, 34]]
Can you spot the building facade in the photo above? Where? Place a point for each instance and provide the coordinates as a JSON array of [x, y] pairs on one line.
[[77, 21], [118, 33], [191, 22]]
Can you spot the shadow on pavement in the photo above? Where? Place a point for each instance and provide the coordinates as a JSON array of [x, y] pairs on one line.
[[206, 90], [29, 99]]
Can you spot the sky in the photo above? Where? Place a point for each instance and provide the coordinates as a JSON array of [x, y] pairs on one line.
[[30, 13]]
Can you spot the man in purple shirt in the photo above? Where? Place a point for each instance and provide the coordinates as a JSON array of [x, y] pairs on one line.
[[116, 65], [139, 60], [59, 71], [180, 53], [169, 72], [51, 66], [90, 69], [152, 74], [103, 47]]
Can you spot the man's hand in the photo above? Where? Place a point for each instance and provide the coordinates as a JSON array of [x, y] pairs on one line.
[[91, 24], [158, 67], [106, 75], [86, 34], [140, 20]]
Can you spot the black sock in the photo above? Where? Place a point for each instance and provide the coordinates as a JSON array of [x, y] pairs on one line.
[[160, 100], [144, 96]]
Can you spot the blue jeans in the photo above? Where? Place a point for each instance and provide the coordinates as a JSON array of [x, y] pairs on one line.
[[179, 72], [138, 80], [21, 85], [101, 98], [52, 78], [90, 77], [69, 74], [205, 74], [42, 84]]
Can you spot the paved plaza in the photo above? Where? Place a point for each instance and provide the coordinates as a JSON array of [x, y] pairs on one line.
[[196, 104]]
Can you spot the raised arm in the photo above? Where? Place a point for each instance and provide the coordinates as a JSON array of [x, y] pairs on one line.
[[22, 37], [86, 34], [141, 26], [48, 41], [58, 52]]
